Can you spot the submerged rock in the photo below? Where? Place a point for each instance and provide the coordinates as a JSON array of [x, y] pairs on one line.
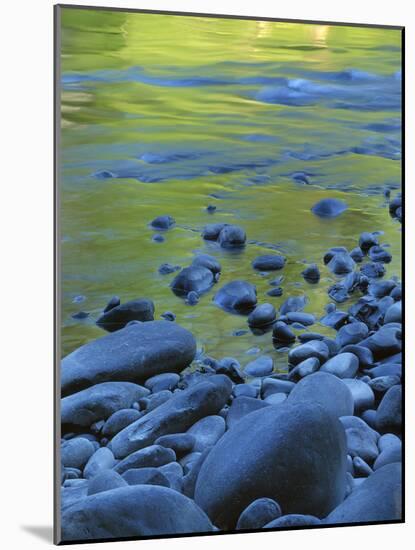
[[176, 415], [341, 263], [133, 353], [232, 236], [133, 511], [162, 223], [118, 316], [99, 402], [207, 261], [329, 208], [236, 297], [311, 273], [269, 452]]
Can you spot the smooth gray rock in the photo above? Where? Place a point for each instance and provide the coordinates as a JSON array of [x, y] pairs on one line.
[[101, 460], [305, 368], [207, 261], [389, 456], [259, 513], [394, 313], [379, 254], [269, 452], [120, 420], [145, 476], [134, 511], [236, 297], [211, 231], [269, 262], [306, 319], [232, 236], [162, 223], [367, 240], [133, 353], [262, 316], [362, 393], [152, 456], [282, 333], [389, 413], [314, 348], [326, 390], [343, 365], [241, 406], [106, 480], [293, 520], [341, 263], [117, 317], [181, 443], [361, 438], [311, 273], [364, 355], [352, 333], [164, 381], [99, 402], [176, 415], [195, 278], [378, 498], [262, 366], [76, 452], [293, 303], [207, 432], [270, 386]]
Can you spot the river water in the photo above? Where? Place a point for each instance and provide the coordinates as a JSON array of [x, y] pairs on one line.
[[167, 114]]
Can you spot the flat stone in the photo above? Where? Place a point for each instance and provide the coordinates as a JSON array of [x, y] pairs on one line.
[[269, 262], [176, 415], [133, 511], [134, 353], [149, 457], [99, 402], [119, 420]]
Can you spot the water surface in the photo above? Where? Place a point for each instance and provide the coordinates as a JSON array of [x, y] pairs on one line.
[[168, 114]]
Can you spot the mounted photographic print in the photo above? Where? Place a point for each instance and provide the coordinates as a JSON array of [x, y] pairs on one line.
[[228, 274]]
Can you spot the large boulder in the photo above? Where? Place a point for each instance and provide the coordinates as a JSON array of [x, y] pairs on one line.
[[99, 402], [326, 390], [133, 354], [134, 511], [378, 498], [117, 317], [293, 454], [175, 416]]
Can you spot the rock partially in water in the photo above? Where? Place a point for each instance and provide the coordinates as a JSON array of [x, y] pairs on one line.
[[341, 263], [232, 236], [282, 333], [207, 261], [99, 402], [385, 342], [176, 415], [373, 270], [378, 498], [211, 231], [293, 303], [113, 302], [133, 511], [162, 223], [192, 279], [269, 262], [311, 274], [314, 348], [262, 316], [329, 208], [380, 254], [133, 353], [326, 390], [237, 297], [269, 452], [117, 317], [367, 240], [361, 438], [259, 513], [357, 254]]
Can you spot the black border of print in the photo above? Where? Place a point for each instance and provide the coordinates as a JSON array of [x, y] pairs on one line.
[[57, 264]]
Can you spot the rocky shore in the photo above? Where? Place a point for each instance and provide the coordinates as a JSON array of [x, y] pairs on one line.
[[160, 439]]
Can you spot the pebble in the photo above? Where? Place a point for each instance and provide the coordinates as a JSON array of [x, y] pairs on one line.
[[236, 297], [275, 292], [329, 208], [149, 457], [306, 319], [367, 240], [357, 254], [158, 238], [341, 263], [232, 236], [105, 481], [117, 317], [166, 269], [281, 332], [311, 274], [162, 223], [373, 270], [207, 261], [80, 315], [76, 452], [379, 254], [181, 443]]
